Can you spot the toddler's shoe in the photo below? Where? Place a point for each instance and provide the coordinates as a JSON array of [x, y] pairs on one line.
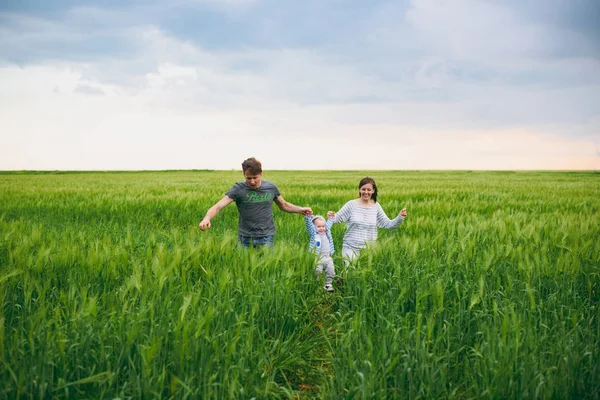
[[328, 287]]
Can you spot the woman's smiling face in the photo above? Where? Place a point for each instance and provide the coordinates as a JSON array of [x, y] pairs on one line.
[[366, 191]]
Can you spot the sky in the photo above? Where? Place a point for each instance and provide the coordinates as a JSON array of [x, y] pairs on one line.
[[313, 84]]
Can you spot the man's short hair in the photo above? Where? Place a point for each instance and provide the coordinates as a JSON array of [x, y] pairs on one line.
[[252, 165]]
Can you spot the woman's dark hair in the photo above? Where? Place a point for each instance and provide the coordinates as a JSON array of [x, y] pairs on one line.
[[366, 180], [252, 165]]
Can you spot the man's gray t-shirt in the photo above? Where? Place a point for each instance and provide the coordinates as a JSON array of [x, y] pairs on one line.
[[255, 207]]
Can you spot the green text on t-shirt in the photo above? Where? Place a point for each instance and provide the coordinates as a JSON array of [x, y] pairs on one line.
[[253, 197]]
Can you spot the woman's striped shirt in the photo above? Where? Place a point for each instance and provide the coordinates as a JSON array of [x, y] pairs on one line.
[[363, 223]]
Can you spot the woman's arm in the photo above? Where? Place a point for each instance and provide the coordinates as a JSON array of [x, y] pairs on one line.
[[384, 222]]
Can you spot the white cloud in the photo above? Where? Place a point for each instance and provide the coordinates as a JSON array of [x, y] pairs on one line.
[[171, 104], [230, 3], [60, 128], [471, 30]]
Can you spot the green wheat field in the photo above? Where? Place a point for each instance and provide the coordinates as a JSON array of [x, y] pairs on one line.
[[489, 290]]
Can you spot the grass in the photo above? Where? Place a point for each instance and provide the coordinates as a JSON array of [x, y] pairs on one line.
[[490, 289]]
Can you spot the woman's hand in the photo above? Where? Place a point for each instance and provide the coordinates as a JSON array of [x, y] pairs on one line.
[[403, 213]]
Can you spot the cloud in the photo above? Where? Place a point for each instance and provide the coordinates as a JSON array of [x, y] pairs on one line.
[[125, 130], [87, 89], [472, 30], [498, 33], [419, 86], [223, 3]]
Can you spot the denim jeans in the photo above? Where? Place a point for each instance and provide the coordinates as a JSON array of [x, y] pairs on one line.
[[261, 241]]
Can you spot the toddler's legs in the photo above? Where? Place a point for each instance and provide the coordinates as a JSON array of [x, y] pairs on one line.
[[329, 272], [318, 271]]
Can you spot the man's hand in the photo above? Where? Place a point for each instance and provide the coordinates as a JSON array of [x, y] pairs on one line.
[[204, 224], [330, 214], [306, 211]]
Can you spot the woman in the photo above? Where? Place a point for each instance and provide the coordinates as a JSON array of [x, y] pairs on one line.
[[363, 215]]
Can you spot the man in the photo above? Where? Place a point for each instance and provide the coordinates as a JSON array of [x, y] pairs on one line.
[[253, 199]]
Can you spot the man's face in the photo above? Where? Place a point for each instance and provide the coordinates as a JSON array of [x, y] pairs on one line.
[[252, 180]]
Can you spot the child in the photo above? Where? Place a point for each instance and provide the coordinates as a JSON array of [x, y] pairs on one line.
[[321, 243]]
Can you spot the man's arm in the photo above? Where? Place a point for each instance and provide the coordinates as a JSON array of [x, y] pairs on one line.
[[213, 211], [290, 208]]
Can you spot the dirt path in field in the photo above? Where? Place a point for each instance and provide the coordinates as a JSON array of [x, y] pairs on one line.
[[312, 378]]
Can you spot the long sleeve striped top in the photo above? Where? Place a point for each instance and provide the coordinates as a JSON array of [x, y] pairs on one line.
[[363, 223]]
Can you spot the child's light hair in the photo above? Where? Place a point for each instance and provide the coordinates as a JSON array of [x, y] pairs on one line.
[[318, 217]]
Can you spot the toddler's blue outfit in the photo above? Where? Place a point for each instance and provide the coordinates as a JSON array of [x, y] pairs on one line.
[[322, 245]]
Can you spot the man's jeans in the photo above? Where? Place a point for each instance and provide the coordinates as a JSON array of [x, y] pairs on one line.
[[256, 242]]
